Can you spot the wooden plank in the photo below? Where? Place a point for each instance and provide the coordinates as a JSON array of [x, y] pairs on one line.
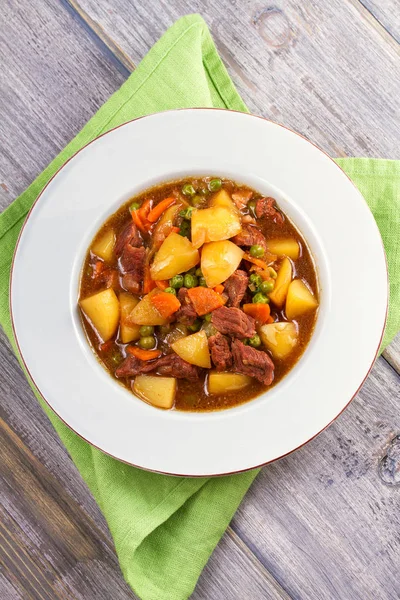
[[53, 77], [60, 480], [37, 514], [392, 353], [325, 520], [387, 13], [312, 66], [232, 569]]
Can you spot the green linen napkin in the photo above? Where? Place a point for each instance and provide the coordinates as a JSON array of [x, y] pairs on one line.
[[165, 528]]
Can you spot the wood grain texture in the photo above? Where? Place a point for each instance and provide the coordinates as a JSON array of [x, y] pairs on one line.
[[53, 78], [320, 524], [392, 353], [319, 67], [324, 521], [387, 14]]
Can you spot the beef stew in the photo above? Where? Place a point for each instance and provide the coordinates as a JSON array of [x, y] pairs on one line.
[[198, 294]]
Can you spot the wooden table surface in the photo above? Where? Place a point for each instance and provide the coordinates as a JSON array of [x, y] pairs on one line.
[[323, 523]]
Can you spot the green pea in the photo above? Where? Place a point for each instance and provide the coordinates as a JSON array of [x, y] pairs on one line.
[[254, 282], [192, 271], [267, 286], [146, 330], [207, 317], [202, 282], [254, 278], [203, 191], [195, 326], [186, 213], [170, 290], [188, 190], [176, 282], [165, 329], [257, 251], [215, 185], [197, 200], [147, 343], [134, 206], [255, 341], [259, 298], [199, 272], [184, 229], [190, 281]]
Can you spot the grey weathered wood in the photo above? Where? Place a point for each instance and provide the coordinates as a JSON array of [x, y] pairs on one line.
[[53, 78], [392, 353], [324, 522], [319, 67], [387, 13]]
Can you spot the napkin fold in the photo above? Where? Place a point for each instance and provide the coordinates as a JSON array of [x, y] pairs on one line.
[[165, 528]]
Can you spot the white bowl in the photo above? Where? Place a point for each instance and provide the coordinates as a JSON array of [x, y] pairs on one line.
[[310, 188]]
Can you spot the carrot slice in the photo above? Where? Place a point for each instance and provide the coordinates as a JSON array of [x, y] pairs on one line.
[[137, 220], [219, 288], [162, 285], [98, 268], [143, 354], [270, 319], [166, 304], [144, 210], [175, 230], [257, 261], [158, 210], [205, 300], [148, 283], [260, 312]]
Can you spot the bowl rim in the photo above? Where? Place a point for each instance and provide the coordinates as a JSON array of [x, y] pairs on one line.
[[174, 474]]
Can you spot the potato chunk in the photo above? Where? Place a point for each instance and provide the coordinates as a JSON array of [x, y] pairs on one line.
[[194, 349], [214, 224], [222, 383], [299, 299], [104, 245], [282, 282], [284, 247], [102, 310], [280, 338], [158, 391], [219, 260], [144, 313], [222, 198], [128, 333], [176, 255]]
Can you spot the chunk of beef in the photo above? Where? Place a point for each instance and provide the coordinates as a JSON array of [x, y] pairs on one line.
[[235, 287], [241, 198], [110, 278], [173, 365], [129, 235], [130, 284], [220, 352], [252, 362], [233, 321], [132, 261], [249, 236], [265, 207], [132, 366], [186, 314]]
